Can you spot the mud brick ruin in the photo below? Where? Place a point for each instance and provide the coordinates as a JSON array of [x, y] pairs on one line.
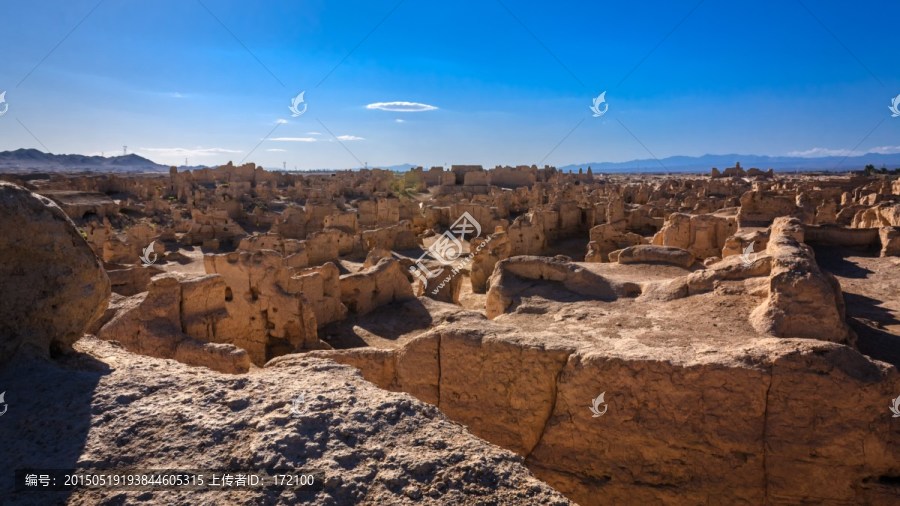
[[743, 327]]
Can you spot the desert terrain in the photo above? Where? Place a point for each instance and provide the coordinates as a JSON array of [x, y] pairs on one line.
[[458, 335]]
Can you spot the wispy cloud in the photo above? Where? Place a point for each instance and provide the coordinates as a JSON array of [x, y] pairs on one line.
[[820, 152], [401, 106], [281, 121], [317, 139], [277, 150], [885, 150], [400, 120], [294, 139], [193, 152], [816, 152]]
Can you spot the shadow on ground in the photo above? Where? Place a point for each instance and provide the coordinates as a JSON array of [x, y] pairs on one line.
[[866, 314], [47, 420], [388, 322]]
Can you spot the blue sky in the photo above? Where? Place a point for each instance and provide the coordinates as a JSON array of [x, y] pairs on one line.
[[510, 82]]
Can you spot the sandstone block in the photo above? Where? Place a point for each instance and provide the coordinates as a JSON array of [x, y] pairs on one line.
[[53, 285], [648, 253]]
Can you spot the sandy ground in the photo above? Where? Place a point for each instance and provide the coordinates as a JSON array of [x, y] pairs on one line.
[[871, 287]]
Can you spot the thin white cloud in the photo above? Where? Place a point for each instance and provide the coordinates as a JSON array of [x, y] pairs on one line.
[[175, 94], [316, 139], [400, 120], [401, 106], [293, 139], [281, 121], [819, 152], [313, 133], [885, 150], [193, 152], [277, 150]]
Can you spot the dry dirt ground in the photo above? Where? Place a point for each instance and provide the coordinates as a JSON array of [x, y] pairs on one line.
[[871, 287], [719, 320], [104, 407]]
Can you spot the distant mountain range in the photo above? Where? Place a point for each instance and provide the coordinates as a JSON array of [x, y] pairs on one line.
[[23, 161], [706, 162], [33, 160]]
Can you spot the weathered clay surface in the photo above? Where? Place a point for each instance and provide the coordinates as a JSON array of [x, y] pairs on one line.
[[382, 284], [511, 277], [648, 253], [720, 426], [265, 306], [802, 301], [367, 446], [177, 319], [53, 285], [890, 241], [703, 235]]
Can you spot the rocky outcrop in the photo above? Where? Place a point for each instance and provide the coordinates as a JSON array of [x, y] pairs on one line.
[[364, 445], [445, 286], [890, 241], [733, 268], [513, 276], [268, 314], [78, 204], [394, 237], [53, 285], [487, 252], [212, 228], [177, 319], [733, 425], [703, 235], [132, 279], [127, 248], [739, 433], [648, 253], [526, 235], [760, 208], [739, 242], [802, 300], [607, 238], [883, 215], [321, 289], [376, 286]]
